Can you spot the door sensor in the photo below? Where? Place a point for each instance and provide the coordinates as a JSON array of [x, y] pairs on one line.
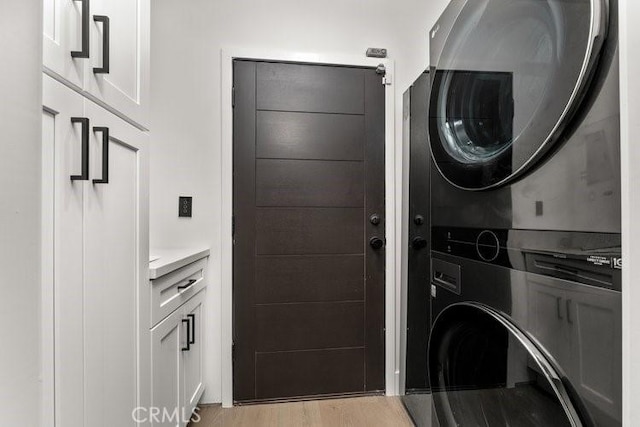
[[376, 52]]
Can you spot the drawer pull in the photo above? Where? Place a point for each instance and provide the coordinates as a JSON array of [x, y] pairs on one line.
[[187, 286]]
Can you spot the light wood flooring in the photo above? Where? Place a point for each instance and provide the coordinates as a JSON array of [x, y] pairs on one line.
[[371, 411]]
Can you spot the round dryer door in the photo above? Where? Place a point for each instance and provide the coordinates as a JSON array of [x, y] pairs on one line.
[[508, 79], [485, 372]]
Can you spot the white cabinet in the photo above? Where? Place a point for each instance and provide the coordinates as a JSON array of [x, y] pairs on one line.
[[177, 356], [166, 343], [125, 87], [111, 44], [100, 233], [173, 289], [61, 141], [192, 359], [63, 22]]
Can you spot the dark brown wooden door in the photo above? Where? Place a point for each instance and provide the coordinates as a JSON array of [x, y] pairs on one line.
[[308, 285]]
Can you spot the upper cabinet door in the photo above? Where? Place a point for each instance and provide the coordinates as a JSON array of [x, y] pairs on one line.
[[63, 23], [118, 72]]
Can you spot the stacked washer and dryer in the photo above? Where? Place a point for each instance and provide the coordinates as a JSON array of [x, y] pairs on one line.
[[525, 211]]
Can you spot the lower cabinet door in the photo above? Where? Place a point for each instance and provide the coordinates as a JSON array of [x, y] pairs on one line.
[[116, 295], [176, 349], [62, 141], [99, 290], [192, 359], [167, 341]]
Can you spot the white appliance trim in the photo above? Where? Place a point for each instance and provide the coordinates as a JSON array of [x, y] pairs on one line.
[[629, 10]]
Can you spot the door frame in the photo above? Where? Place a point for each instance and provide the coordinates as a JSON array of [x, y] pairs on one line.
[[393, 207]]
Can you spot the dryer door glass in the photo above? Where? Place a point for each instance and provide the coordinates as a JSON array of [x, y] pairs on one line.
[[485, 372], [510, 76]]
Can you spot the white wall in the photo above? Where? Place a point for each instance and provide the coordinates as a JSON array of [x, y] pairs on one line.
[[20, 128], [630, 153], [187, 38]]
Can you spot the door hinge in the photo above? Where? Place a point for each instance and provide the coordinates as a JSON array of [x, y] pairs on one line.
[[233, 97], [386, 80], [233, 225]]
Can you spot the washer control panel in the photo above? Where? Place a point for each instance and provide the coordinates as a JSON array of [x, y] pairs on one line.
[[589, 258], [488, 245]]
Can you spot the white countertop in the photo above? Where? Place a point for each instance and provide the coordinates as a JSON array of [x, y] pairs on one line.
[[163, 261]]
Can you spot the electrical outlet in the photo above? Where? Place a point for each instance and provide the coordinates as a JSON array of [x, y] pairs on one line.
[[185, 206]]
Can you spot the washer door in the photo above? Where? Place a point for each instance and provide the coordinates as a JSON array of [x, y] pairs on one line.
[[510, 75], [485, 372]]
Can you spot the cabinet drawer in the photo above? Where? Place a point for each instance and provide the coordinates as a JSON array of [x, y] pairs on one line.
[[173, 289]]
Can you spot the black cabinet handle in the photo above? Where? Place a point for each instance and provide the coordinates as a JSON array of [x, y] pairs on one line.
[[192, 317], [84, 176], [187, 286], [188, 347], [84, 52], [105, 44], [105, 155]]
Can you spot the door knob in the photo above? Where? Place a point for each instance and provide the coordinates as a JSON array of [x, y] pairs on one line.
[[376, 243], [419, 243]]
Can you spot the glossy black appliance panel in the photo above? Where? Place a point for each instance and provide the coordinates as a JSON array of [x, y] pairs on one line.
[[589, 258], [577, 188], [486, 372], [507, 80], [419, 239], [511, 347]]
